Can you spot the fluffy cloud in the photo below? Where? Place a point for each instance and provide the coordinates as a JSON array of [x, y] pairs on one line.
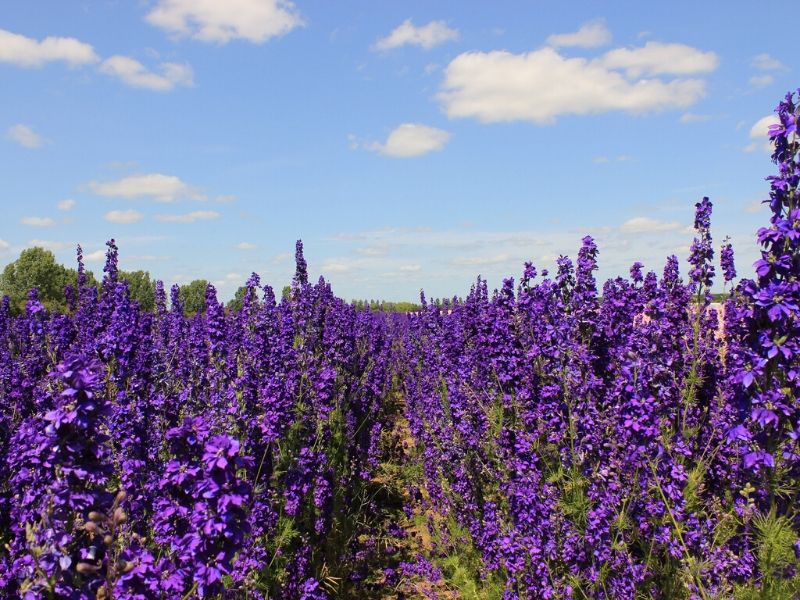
[[23, 51], [336, 266], [765, 62], [689, 117], [162, 188], [759, 134], [379, 250], [37, 221], [134, 74], [66, 204], [51, 245], [656, 58], [96, 256], [761, 81], [4, 246], [24, 136], [411, 139], [638, 225], [220, 22], [123, 217], [589, 35], [246, 246], [482, 261], [197, 215], [425, 36], [410, 268], [540, 85]]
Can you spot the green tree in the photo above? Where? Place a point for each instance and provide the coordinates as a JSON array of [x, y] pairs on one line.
[[35, 268], [141, 287], [238, 299], [193, 296]]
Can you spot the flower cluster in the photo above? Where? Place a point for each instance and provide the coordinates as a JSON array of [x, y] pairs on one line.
[[157, 455], [555, 438], [616, 445]]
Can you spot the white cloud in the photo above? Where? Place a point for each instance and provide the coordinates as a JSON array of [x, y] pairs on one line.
[[23, 51], [228, 280], [96, 256], [4, 246], [411, 139], [134, 74], [689, 117], [761, 81], [197, 215], [425, 36], [37, 221], [246, 246], [52, 245], [482, 261], [657, 58], [765, 62], [759, 134], [540, 85], [590, 35], [410, 268], [336, 266], [123, 217], [25, 136], [220, 22], [379, 250], [66, 204], [162, 188], [647, 225], [755, 206]]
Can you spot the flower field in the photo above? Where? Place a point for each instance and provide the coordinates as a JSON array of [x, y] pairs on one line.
[[557, 438]]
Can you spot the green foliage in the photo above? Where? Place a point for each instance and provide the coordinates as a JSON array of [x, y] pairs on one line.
[[237, 302], [142, 289], [775, 539], [37, 268], [193, 296], [383, 306]]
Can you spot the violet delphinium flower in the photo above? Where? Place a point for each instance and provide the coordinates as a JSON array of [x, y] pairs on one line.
[[61, 465], [769, 369], [726, 261], [201, 514]]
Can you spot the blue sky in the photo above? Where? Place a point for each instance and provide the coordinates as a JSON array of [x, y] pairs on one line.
[[409, 144]]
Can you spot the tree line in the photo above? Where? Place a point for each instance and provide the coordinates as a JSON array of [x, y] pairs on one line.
[[37, 268]]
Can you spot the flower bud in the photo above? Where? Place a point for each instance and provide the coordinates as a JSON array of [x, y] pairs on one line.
[[124, 566], [96, 516], [121, 495], [91, 527], [108, 540], [120, 516]]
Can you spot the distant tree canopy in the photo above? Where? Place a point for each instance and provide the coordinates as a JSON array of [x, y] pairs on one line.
[[142, 289], [193, 296], [37, 268], [238, 298], [380, 305]]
